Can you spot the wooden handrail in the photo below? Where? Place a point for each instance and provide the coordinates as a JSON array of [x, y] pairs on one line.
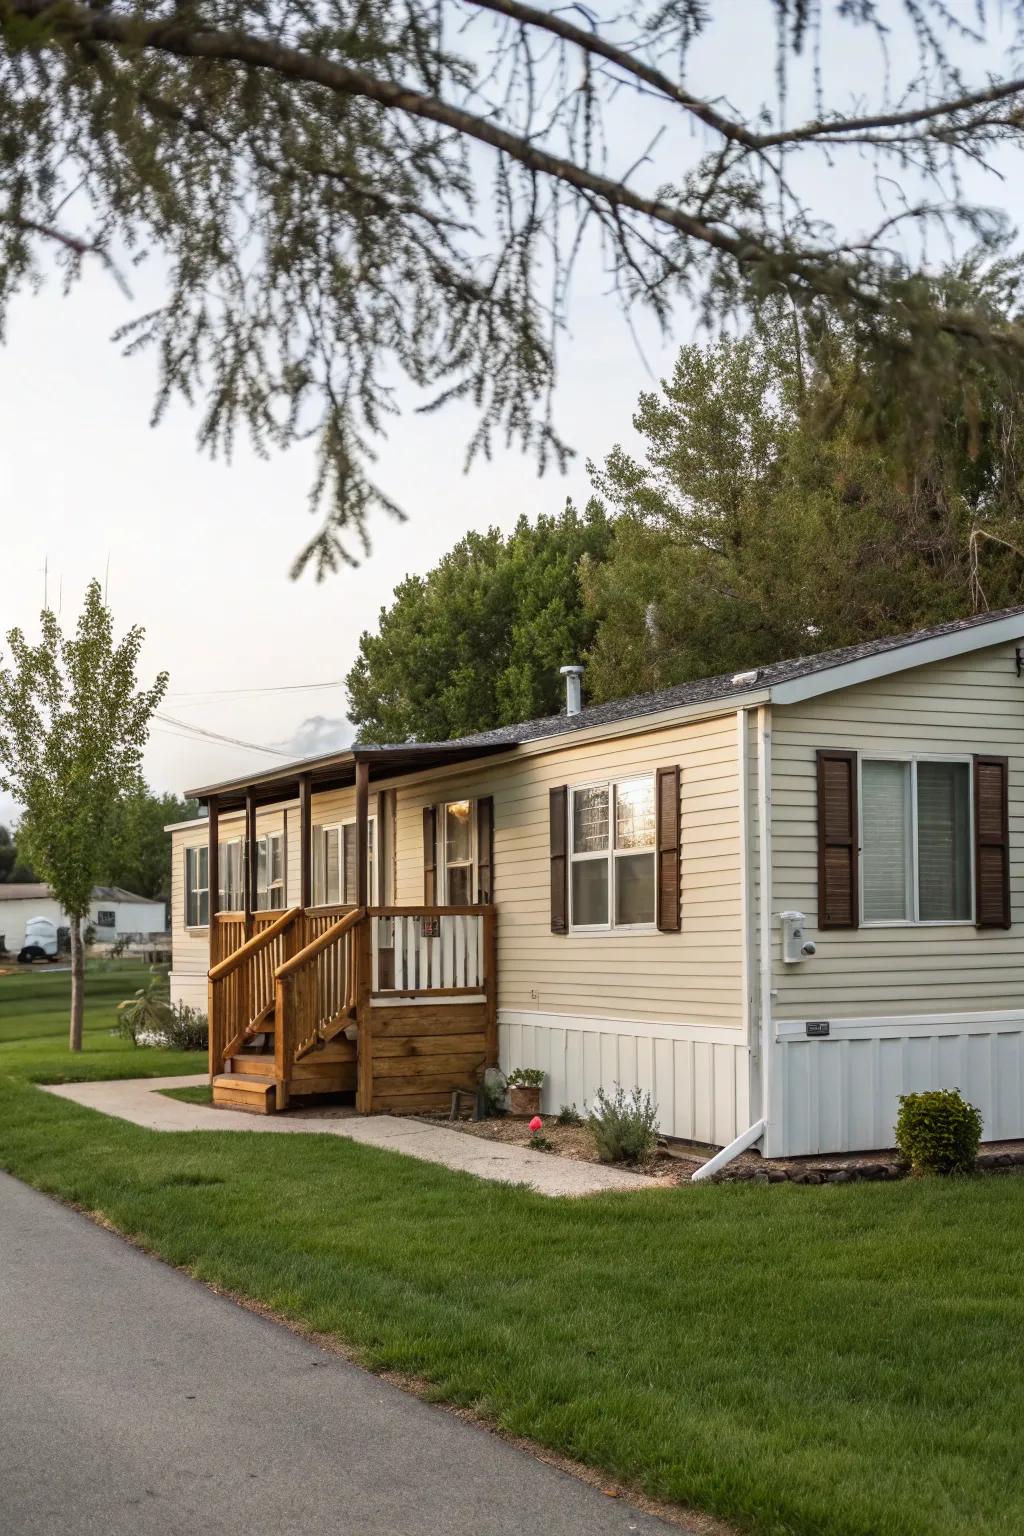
[[320, 943], [252, 946]]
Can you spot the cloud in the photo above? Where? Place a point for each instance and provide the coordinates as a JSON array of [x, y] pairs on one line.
[[317, 735]]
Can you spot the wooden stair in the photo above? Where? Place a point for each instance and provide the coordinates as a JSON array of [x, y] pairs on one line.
[[242, 1090], [248, 1083]]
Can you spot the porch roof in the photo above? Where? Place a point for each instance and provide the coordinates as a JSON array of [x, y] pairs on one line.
[[337, 770]]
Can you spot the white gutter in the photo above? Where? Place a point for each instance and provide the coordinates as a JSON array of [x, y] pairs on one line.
[[747, 1139], [748, 954]]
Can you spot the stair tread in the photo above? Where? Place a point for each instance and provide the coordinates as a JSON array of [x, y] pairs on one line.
[[242, 1080]]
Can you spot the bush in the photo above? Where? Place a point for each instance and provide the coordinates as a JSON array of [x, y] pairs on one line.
[[569, 1115], [938, 1132], [186, 1029], [624, 1126], [146, 1013]]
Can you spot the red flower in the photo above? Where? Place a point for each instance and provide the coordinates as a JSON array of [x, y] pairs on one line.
[[536, 1123]]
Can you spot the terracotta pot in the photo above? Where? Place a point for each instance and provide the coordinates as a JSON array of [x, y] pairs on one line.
[[524, 1101]]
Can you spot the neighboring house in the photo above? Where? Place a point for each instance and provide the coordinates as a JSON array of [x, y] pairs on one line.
[[785, 896], [113, 913]]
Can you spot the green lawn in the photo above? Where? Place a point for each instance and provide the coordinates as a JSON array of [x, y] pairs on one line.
[[202, 1093], [834, 1361]]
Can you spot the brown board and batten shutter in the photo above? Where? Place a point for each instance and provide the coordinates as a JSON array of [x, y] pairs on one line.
[[558, 818], [485, 849], [992, 842], [667, 835], [430, 855], [838, 889]]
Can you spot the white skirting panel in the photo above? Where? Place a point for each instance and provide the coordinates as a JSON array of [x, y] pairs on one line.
[[190, 990], [841, 1093], [699, 1077]]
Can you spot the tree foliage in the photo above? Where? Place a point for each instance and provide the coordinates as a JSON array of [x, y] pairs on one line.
[[767, 519], [73, 723], [139, 857], [350, 194], [478, 641], [14, 869]]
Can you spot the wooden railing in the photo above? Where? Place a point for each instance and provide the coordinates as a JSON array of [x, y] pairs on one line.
[[316, 994], [228, 932], [441, 950], [241, 986]]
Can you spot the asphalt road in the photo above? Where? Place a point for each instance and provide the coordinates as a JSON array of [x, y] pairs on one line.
[[133, 1400]]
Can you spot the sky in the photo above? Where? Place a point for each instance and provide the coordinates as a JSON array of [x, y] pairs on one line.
[[198, 552]]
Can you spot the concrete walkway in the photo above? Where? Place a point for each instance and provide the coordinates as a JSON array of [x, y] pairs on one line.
[[139, 1100], [135, 1402]]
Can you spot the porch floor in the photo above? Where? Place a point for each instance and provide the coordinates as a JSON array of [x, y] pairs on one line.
[[140, 1101]]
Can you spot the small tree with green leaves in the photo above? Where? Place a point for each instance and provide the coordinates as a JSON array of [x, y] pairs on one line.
[[73, 724]]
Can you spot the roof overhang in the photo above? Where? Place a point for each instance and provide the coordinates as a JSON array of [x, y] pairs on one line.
[[915, 653], [338, 771]]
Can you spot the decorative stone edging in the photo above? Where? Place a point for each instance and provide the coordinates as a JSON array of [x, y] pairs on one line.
[[754, 1173]]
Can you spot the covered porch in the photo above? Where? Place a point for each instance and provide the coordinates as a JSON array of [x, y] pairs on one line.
[[396, 1004]]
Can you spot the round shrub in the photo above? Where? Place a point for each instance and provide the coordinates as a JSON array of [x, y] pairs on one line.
[[938, 1132]]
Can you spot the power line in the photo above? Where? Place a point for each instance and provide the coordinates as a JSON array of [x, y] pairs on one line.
[[222, 693], [231, 741]]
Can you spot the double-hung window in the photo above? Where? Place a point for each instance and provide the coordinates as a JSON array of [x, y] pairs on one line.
[[232, 895], [459, 853], [335, 862], [197, 887], [612, 855], [270, 871], [915, 836]]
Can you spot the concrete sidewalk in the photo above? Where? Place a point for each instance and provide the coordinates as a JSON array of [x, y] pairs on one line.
[[139, 1100], [136, 1402]]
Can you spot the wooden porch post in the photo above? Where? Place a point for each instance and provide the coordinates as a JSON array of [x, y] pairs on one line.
[[214, 1012], [250, 860], [213, 878], [305, 841], [362, 834]]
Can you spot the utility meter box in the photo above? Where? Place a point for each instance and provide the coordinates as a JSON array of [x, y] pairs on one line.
[[795, 946]]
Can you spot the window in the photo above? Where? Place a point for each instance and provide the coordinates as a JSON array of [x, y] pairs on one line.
[[916, 841], [106, 919], [335, 863], [270, 871], [232, 896], [459, 860], [197, 887], [612, 855]]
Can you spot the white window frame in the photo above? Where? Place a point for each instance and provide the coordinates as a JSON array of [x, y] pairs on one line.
[[913, 872], [192, 863], [271, 885], [611, 855], [471, 863], [371, 873]]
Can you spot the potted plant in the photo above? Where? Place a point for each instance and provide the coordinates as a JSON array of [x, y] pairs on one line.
[[524, 1090]]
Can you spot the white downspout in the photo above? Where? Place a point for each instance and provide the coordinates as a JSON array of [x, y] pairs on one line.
[[747, 1139], [764, 827]]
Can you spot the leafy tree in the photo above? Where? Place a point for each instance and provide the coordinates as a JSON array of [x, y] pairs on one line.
[[346, 194], [140, 849], [73, 724], [478, 641], [14, 870], [768, 518]]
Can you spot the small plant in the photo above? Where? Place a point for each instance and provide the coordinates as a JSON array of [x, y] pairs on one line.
[[624, 1126], [526, 1077], [491, 1094], [538, 1140], [938, 1132], [568, 1114], [144, 1014], [186, 1029]]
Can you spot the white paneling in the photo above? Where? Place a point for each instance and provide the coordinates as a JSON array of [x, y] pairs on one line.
[[841, 1093], [698, 1077]]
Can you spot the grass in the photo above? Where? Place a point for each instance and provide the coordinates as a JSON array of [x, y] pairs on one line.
[[202, 1093], [833, 1361]]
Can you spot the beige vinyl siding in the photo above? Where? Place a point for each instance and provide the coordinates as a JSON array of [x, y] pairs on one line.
[[690, 977], [966, 704]]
